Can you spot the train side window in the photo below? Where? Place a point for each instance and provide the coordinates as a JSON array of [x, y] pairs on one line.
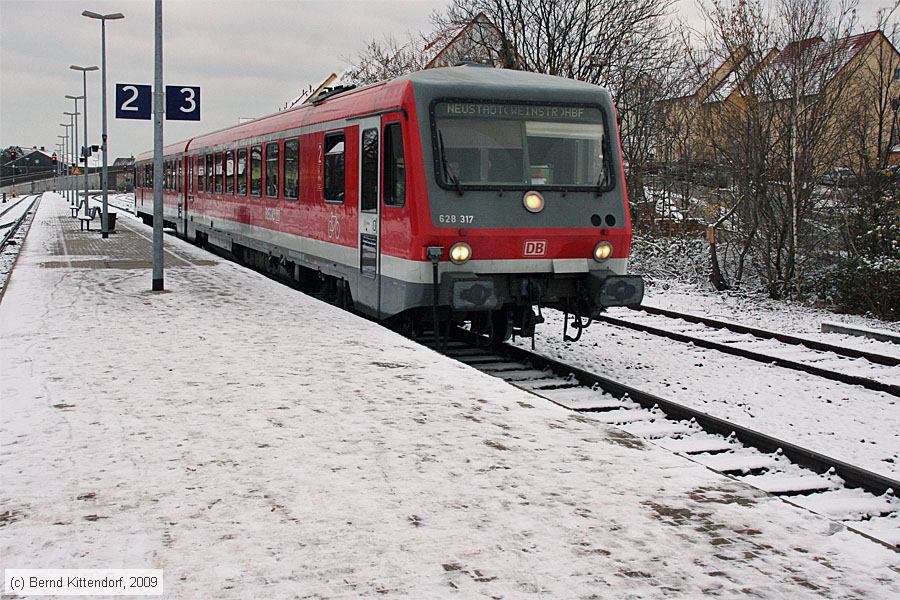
[[333, 177], [394, 166], [201, 174], [369, 156], [256, 171], [218, 161], [292, 169], [209, 173], [272, 170], [229, 172], [242, 171]]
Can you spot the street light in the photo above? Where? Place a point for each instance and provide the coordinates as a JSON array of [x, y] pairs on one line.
[[103, 19], [61, 159], [62, 163], [84, 72], [74, 116]]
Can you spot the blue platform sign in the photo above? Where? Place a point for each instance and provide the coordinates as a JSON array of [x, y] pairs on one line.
[[182, 103], [133, 101]]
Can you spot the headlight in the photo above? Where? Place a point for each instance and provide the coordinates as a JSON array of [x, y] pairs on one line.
[[460, 252], [533, 202], [602, 251]]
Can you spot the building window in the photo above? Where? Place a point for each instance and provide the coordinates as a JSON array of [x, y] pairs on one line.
[[229, 172], [292, 169], [394, 166], [242, 171], [369, 157], [256, 171], [333, 166]]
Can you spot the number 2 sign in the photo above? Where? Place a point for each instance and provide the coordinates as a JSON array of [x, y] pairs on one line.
[[133, 101]]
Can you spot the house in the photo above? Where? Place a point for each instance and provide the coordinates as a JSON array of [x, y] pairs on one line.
[[848, 88]]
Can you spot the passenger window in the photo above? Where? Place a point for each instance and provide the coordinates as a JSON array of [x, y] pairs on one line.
[[242, 171], [229, 172], [369, 157], [209, 173], [334, 167], [291, 169], [394, 166], [256, 170], [201, 174], [218, 161], [272, 170]]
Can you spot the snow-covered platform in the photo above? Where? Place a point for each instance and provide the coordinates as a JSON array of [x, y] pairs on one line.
[[254, 442]]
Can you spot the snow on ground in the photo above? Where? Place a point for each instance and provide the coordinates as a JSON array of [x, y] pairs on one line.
[[765, 313], [253, 442], [847, 422]]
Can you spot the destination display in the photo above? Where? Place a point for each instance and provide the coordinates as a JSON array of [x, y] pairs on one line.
[[543, 112]]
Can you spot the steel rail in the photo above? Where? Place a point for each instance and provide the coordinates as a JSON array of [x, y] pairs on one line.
[[14, 204], [15, 227], [865, 382], [853, 476], [881, 359]]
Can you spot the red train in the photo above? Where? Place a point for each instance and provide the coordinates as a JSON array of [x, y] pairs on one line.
[[475, 193]]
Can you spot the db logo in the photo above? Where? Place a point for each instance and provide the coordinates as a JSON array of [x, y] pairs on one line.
[[535, 248]]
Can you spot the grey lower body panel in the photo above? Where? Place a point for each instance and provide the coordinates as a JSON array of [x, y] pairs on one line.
[[460, 291]]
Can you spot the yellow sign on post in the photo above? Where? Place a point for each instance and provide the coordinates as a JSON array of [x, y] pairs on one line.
[[76, 171]]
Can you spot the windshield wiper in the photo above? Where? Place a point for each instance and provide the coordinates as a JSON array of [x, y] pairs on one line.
[[448, 175]]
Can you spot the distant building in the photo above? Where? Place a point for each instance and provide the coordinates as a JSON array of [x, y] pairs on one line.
[[857, 69]]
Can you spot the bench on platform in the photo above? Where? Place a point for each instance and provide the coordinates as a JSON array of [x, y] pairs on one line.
[[88, 217]]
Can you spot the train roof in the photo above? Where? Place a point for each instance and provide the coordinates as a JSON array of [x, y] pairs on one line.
[[467, 80]]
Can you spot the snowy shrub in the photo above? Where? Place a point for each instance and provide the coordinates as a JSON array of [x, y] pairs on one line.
[[864, 285]]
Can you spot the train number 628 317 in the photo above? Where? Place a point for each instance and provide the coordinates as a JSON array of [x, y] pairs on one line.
[[461, 219]]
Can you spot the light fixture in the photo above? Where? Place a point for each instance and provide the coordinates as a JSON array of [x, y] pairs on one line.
[[602, 251], [460, 252], [533, 202]]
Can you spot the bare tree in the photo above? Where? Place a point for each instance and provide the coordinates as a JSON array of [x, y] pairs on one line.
[[386, 59]]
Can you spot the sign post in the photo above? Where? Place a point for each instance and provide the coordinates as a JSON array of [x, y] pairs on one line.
[[157, 285]]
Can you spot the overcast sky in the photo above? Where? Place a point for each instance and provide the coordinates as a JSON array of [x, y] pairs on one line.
[[249, 57]]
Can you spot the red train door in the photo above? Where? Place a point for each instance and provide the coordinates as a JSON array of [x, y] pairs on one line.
[[369, 288]]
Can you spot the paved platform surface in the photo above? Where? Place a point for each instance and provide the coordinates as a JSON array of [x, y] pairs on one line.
[[254, 442]]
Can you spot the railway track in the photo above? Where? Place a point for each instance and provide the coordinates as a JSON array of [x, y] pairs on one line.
[[816, 358], [13, 227], [861, 500], [8, 257]]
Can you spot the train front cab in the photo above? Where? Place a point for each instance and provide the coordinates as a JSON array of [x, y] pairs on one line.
[[526, 201]]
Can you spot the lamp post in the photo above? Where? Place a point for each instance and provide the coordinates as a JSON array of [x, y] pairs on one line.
[[61, 158], [103, 19], [84, 72], [61, 161], [74, 158]]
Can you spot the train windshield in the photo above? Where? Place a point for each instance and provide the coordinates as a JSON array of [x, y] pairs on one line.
[[493, 145]]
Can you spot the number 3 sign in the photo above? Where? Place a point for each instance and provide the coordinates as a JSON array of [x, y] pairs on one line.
[[133, 101], [182, 103]]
